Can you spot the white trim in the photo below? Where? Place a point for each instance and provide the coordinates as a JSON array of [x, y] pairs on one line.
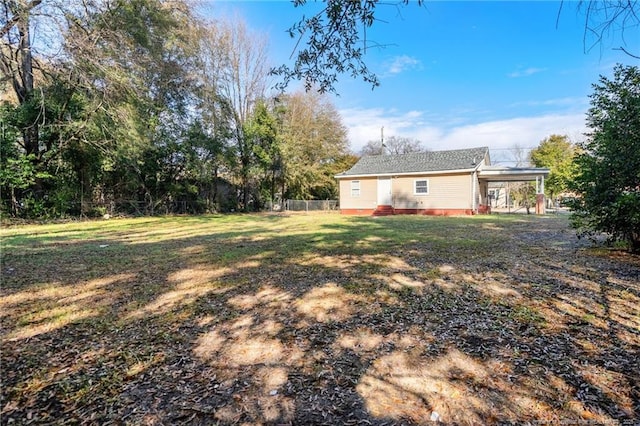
[[353, 187], [474, 194], [416, 193]]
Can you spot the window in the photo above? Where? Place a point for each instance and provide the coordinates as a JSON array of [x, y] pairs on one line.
[[355, 188], [421, 187]]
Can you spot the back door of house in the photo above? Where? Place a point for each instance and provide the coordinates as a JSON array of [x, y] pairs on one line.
[[384, 191]]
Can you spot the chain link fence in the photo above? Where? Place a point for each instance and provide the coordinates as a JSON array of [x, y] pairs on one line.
[[133, 208], [165, 207], [310, 205]]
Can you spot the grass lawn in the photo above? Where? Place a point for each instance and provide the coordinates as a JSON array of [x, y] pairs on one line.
[[317, 319]]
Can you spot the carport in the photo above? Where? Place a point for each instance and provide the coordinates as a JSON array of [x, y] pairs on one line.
[[516, 174]]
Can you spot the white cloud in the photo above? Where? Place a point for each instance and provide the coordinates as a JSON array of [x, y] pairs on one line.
[[522, 131], [580, 102], [526, 72], [400, 64], [364, 125]]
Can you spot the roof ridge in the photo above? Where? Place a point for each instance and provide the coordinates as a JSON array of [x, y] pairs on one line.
[[483, 148], [418, 162]]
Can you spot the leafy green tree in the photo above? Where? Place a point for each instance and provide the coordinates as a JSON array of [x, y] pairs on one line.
[[261, 133], [135, 60], [329, 189], [124, 70], [17, 172], [524, 194], [608, 168], [313, 138], [555, 153], [207, 154]]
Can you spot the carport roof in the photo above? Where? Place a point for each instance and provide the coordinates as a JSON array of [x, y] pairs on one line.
[[511, 174]]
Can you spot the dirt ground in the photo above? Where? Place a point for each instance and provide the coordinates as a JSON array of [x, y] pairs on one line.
[[318, 321]]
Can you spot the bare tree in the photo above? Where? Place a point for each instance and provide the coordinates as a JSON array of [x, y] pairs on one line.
[[520, 156], [522, 192], [214, 113], [16, 60], [244, 76], [604, 18], [392, 145]]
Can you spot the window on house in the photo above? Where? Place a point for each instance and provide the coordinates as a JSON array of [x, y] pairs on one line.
[[355, 188], [421, 187]]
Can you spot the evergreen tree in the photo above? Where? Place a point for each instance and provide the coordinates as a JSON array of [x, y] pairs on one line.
[[608, 169]]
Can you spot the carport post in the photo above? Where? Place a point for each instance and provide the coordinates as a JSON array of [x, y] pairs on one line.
[[540, 207]]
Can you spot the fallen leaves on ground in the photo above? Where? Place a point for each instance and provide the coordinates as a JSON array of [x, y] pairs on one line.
[[318, 320]]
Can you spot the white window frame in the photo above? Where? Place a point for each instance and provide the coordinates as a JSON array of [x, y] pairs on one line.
[[415, 187], [355, 188]]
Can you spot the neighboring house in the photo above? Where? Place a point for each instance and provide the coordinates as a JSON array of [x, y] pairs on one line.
[[436, 183], [498, 195]]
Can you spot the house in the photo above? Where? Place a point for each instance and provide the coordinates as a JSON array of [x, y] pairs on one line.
[[498, 195], [454, 182]]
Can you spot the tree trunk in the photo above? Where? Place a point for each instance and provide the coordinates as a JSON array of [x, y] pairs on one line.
[[216, 201], [245, 192], [23, 86], [273, 186]]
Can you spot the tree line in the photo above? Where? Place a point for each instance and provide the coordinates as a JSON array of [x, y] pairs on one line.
[[144, 104]]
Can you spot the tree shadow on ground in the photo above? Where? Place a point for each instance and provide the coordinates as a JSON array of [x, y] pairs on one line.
[[283, 320]]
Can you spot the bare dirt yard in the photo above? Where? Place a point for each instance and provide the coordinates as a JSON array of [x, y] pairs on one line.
[[317, 319]]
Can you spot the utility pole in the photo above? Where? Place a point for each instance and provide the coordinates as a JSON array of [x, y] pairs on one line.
[[382, 146]]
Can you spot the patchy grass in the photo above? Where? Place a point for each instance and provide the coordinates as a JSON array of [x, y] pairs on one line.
[[317, 319]]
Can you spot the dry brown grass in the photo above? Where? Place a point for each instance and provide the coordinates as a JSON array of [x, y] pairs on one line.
[[317, 320]]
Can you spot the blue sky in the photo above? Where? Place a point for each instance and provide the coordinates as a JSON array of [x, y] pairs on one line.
[[461, 74]]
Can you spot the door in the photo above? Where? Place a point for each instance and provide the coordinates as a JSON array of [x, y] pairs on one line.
[[384, 192]]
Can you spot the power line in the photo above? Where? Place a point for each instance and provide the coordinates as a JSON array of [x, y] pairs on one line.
[[513, 149]]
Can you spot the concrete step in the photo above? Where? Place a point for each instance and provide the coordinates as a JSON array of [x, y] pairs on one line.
[[384, 211]]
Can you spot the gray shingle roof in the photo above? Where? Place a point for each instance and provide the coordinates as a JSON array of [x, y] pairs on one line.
[[417, 162]]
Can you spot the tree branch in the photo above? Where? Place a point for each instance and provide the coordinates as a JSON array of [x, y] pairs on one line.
[[627, 52], [16, 18]]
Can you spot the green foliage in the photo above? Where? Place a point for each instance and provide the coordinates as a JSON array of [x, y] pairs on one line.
[[20, 173], [608, 168], [150, 110], [263, 142], [524, 194], [313, 140], [555, 153]]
